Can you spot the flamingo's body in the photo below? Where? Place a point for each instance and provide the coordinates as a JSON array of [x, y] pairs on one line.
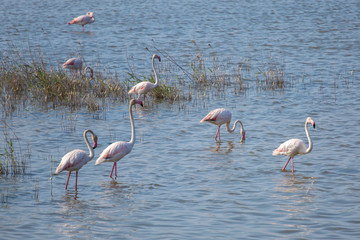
[[117, 150], [75, 64], [293, 147], [222, 116], [76, 159], [145, 87], [83, 19]]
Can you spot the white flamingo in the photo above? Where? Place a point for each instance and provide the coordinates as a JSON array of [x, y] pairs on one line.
[[293, 147], [76, 159], [75, 64], [117, 150], [145, 86], [220, 116], [83, 19]]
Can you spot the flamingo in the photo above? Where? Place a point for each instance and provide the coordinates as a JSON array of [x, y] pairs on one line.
[[293, 147], [75, 64], [220, 116], [117, 150], [74, 160], [145, 86], [83, 19]]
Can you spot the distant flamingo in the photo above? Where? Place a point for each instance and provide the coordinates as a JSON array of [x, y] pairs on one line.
[[83, 19], [145, 87], [117, 150], [74, 160], [219, 117], [75, 64], [293, 147]]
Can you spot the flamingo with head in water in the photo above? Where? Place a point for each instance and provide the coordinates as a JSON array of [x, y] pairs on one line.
[[117, 150], [83, 20], [75, 64], [145, 86], [293, 147], [222, 116], [76, 159]]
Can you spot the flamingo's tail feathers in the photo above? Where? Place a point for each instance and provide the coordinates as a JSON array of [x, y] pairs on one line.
[[72, 22]]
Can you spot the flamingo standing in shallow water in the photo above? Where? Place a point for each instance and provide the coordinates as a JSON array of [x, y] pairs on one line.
[[75, 64], [117, 150], [219, 117], [145, 87], [83, 19], [74, 160], [293, 147]]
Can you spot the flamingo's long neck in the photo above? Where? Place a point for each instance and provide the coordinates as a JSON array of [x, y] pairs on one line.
[[156, 77], [309, 139], [91, 150], [234, 126], [242, 132], [132, 140]]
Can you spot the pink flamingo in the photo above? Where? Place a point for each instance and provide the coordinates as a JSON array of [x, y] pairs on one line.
[[293, 147], [219, 117], [83, 19], [145, 87], [75, 64], [117, 150], [74, 160]]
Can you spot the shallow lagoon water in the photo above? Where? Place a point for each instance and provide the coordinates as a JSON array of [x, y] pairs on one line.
[[178, 183]]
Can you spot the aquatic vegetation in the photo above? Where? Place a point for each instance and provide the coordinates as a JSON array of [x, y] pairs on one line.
[[12, 160]]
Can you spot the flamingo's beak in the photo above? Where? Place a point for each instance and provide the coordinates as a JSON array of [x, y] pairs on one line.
[[95, 145]]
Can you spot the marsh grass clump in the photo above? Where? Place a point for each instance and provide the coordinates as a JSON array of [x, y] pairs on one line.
[[12, 160], [271, 77]]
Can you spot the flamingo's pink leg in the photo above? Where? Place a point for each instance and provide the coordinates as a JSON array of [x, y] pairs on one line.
[[292, 165], [112, 169], [144, 100], [115, 170], [67, 180], [76, 180], [283, 169], [217, 133]]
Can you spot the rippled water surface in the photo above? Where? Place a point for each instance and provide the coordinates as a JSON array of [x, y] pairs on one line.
[[178, 183]]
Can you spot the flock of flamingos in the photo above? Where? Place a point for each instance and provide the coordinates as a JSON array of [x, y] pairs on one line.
[[76, 159]]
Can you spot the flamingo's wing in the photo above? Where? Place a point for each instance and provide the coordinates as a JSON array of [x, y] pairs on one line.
[[217, 116], [81, 20], [73, 63], [114, 152], [290, 148], [73, 160], [141, 88]]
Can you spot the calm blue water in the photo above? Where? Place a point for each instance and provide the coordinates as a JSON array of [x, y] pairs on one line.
[[178, 183]]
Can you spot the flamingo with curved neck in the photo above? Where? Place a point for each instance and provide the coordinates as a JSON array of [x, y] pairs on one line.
[[117, 150], [75, 64], [220, 116], [293, 147], [76, 159], [146, 86]]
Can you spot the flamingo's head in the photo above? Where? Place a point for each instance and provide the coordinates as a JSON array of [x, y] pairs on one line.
[[242, 136], [309, 120], [90, 14], [135, 101], [95, 139], [156, 56]]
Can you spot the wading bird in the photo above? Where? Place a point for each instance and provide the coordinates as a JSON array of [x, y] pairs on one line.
[[83, 19], [145, 87], [74, 160], [219, 117], [293, 147], [117, 150], [75, 64]]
